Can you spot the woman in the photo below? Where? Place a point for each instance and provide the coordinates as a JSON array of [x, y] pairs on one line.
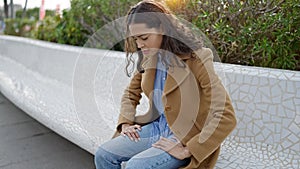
[[190, 112]]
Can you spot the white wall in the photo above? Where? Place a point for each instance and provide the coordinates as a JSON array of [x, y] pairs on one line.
[[76, 92]]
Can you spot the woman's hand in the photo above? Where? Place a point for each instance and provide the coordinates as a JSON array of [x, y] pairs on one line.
[[131, 131], [176, 149]]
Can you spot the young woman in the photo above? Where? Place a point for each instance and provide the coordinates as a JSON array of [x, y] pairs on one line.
[[190, 112]]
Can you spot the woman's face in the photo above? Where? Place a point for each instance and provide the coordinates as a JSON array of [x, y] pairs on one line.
[[147, 39]]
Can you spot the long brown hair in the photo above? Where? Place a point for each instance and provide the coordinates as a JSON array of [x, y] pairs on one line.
[[179, 41]]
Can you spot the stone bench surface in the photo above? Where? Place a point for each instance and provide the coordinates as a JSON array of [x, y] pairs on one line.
[[53, 84]]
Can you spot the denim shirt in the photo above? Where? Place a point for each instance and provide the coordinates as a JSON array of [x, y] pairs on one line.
[[160, 126]]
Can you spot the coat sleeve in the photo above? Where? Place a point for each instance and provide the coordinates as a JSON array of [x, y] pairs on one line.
[[130, 99], [216, 104]]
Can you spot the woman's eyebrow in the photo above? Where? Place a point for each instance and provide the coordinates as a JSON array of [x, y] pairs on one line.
[[140, 35]]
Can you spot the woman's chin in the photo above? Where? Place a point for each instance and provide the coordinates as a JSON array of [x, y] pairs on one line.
[[149, 54]]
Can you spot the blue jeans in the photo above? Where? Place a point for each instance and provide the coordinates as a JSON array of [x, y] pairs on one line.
[[139, 155]]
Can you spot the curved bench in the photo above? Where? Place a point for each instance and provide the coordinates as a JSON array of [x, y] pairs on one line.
[[76, 93]]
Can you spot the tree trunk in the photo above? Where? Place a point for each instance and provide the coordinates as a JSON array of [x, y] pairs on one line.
[[12, 8], [24, 9], [5, 9]]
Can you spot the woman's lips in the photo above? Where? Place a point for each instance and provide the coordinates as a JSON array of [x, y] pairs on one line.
[[145, 52]]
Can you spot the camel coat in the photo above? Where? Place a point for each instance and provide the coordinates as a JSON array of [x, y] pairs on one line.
[[197, 107]]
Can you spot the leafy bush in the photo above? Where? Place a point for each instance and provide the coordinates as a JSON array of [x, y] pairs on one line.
[[89, 16], [253, 32], [80, 22], [19, 27], [249, 32], [33, 13], [70, 31], [47, 29]]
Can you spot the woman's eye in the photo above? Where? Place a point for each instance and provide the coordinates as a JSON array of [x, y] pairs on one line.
[[141, 38], [144, 38]]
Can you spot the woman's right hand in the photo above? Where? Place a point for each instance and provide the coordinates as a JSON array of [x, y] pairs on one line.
[[131, 131]]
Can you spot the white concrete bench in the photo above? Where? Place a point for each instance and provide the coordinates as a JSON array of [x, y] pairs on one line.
[[76, 93]]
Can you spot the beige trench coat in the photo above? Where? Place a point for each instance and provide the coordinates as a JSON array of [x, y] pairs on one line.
[[197, 106]]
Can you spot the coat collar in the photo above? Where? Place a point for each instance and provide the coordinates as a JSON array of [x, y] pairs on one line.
[[176, 74]]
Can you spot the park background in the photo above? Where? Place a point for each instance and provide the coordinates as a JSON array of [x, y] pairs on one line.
[[264, 33]]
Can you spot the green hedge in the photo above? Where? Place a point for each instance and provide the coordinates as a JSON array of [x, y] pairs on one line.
[[33, 13], [248, 32], [19, 27], [252, 32], [47, 29]]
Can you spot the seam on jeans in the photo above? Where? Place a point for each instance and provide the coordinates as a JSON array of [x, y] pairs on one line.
[[163, 161]]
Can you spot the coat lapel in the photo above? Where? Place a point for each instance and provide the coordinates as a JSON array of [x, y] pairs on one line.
[[176, 75]]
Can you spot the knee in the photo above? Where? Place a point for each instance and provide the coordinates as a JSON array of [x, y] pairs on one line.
[[104, 158], [100, 155]]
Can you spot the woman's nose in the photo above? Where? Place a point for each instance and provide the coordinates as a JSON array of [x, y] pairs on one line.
[[140, 44]]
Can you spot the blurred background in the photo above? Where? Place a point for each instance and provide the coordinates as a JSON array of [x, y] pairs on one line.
[[263, 33]]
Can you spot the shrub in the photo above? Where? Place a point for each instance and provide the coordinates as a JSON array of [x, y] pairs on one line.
[[89, 16], [33, 13], [19, 27], [253, 32], [70, 31], [47, 29], [249, 32]]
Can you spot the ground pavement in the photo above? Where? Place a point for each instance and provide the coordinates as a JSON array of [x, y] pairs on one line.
[[27, 144]]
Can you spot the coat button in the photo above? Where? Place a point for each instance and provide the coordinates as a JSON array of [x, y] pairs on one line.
[[167, 108]]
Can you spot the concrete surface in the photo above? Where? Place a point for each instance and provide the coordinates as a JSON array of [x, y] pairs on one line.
[[27, 144]]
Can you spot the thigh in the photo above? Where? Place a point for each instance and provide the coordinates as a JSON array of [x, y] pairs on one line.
[[155, 158], [124, 147]]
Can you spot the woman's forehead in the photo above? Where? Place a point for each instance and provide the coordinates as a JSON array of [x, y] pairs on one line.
[[139, 29]]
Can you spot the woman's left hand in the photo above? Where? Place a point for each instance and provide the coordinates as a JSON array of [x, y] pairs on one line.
[[176, 149]]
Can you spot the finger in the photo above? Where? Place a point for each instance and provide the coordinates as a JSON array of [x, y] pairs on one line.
[[134, 135], [162, 138], [159, 146], [165, 141], [138, 127], [162, 145], [130, 136], [135, 130], [167, 145], [162, 142], [156, 143], [123, 134]]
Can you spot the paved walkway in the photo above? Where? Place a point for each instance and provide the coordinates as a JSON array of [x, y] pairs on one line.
[[27, 144]]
